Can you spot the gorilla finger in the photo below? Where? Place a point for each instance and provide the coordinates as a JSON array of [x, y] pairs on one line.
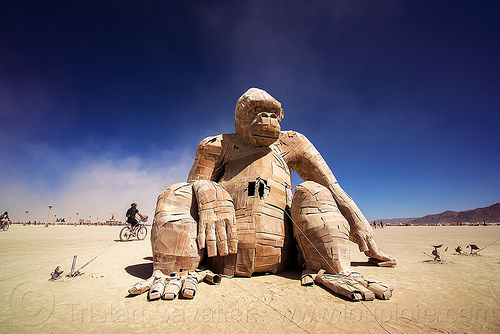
[[141, 287], [361, 241], [233, 246], [231, 234], [211, 241], [220, 228], [201, 234]]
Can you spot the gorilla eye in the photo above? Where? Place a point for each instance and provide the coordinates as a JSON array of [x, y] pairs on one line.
[[273, 113]]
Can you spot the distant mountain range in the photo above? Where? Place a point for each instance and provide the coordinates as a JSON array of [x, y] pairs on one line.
[[490, 214]]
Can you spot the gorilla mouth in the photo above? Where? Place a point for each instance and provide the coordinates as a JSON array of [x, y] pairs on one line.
[[264, 134], [263, 140]]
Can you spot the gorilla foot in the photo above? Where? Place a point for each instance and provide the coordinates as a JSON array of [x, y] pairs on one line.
[[344, 285], [353, 285], [141, 287], [157, 289], [189, 287], [173, 287], [381, 290], [166, 287]]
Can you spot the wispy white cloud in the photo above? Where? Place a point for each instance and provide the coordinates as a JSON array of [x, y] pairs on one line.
[[97, 187]]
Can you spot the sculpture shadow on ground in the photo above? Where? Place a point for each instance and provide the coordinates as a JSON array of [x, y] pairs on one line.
[[363, 264], [141, 270], [334, 294], [291, 273]]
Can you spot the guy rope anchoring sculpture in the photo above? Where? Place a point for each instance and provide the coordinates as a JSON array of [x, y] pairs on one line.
[[236, 210]]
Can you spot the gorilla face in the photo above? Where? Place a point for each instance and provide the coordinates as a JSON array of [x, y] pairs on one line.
[[257, 117], [265, 127]]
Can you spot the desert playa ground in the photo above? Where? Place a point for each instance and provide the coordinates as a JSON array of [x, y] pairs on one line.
[[460, 295]]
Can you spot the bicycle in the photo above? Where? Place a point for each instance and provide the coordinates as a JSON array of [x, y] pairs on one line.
[[140, 231], [5, 225]]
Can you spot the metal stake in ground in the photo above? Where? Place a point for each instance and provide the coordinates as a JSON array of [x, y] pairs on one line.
[[73, 266]]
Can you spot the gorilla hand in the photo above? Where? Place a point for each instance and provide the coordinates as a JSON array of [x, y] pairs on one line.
[[366, 243], [216, 223]]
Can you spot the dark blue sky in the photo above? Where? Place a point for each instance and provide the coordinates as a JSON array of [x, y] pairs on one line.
[[103, 102]]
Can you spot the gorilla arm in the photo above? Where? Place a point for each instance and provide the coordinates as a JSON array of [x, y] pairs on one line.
[[216, 223], [208, 160], [183, 227], [303, 158]]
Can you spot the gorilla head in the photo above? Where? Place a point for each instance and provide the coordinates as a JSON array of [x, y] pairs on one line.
[[257, 117]]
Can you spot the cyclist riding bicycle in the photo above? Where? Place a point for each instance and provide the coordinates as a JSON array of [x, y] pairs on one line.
[[131, 219], [4, 218]]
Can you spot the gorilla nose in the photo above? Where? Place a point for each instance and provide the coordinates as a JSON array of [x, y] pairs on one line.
[[267, 115]]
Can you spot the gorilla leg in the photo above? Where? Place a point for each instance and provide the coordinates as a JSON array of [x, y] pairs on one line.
[[174, 231], [189, 217], [321, 231], [173, 239], [322, 234]]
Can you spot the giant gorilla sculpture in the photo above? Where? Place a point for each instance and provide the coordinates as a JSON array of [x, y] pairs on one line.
[[236, 206]]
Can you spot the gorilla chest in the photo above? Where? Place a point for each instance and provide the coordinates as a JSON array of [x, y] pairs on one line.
[[257, 177], [259, 184]]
